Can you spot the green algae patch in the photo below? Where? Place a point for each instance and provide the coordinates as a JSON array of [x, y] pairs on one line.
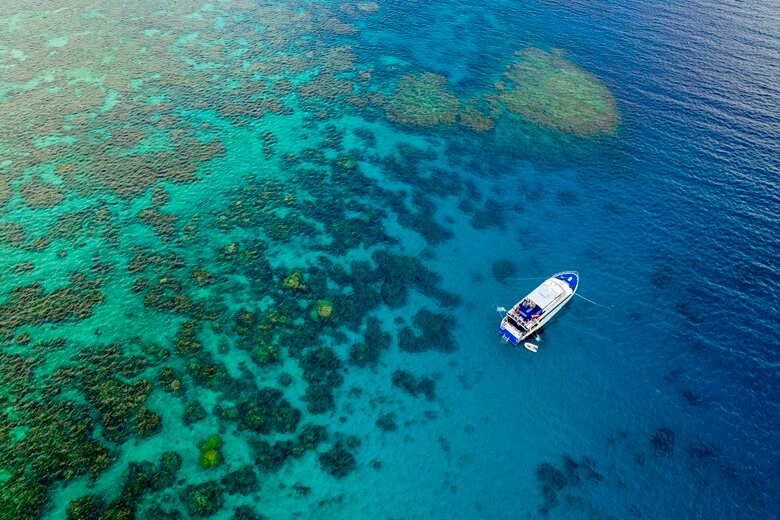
[[422, 100], [210, 456], [552, 91], [347, 162], [209, 459]]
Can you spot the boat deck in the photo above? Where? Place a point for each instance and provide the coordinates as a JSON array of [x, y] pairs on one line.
[[527, 313]]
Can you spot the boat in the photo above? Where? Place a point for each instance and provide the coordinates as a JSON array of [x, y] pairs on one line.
[[532, 312], [531, 347]]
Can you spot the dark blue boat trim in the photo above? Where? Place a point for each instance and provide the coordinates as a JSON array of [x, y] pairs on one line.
[[509, 337], [528, 313], [570, 278]]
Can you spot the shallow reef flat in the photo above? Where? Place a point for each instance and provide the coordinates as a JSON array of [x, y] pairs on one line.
[[211, 217]]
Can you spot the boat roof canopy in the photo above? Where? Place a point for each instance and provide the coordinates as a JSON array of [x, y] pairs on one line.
[[545, 294]]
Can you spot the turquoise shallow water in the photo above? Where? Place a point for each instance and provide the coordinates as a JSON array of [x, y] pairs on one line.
[[250, 255]]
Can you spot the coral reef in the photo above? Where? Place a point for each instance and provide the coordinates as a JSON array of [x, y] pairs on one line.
[[554, 481], [100, 142], [414, 386], [338, 462], [265, 354], [422, 100], [294, 281], [202, 500], [375, 340], [662, 441], [437, 333], [550, 90], [267, 411], [246, 512], [271, 457], [32, 305], [210, 457], [39, 194], [386, 422], [87, 507], [323, 310], [504, 269], [242, 481], [473, 119], [322, 370], [146, 423], [194, 412]]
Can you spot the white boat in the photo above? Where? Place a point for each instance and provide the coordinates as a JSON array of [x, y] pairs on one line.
[[536, 309]]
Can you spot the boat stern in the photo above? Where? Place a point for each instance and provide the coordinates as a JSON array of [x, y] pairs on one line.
[[508, 336]]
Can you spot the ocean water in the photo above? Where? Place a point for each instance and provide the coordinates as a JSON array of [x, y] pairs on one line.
[[251, 254]]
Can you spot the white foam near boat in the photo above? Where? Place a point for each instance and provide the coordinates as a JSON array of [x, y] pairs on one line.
[[532, 312]]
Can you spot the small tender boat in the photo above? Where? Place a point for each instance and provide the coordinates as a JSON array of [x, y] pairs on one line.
[[536, 309], [531, 347]]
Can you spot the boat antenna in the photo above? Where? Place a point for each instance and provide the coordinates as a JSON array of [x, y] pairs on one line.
[[591, 301]]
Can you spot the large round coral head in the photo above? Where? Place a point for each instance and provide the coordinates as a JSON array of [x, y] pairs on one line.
[[324, 309], [209, 459]]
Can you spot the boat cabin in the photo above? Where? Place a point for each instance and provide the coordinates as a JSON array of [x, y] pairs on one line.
[[533, 305]]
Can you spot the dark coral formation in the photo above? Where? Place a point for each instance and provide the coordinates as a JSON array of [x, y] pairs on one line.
[[407, 382], [436, 333], [386, 422], [267, 411], [322, 370], [242, 481], [555, 482], [662, 441], [368, 351], [202, 500], [338, 462], [504, 269], [246, 512]]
